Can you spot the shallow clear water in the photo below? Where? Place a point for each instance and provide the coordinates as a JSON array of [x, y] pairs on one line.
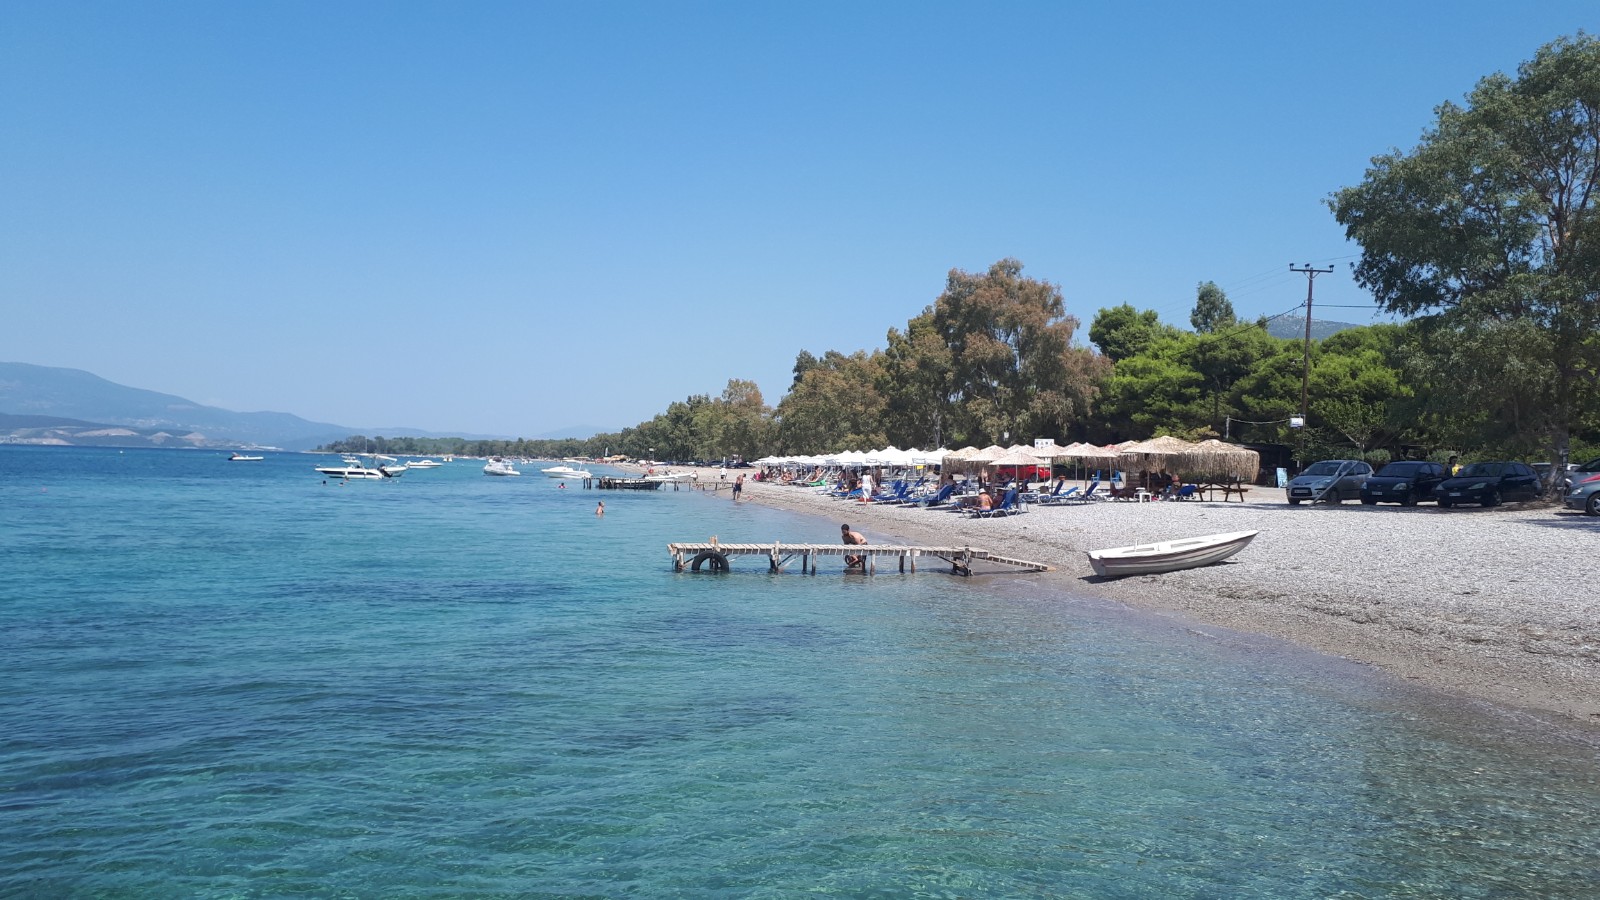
[[232, 679]]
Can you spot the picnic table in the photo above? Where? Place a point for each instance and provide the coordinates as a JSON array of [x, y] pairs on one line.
[[1227, 489]]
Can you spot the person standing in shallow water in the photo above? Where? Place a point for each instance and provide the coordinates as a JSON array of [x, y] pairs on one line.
[[601, 509], [738, 486], [853, 538]]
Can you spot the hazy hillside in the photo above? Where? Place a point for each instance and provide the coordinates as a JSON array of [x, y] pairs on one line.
[[77, 404], [1295, 327]]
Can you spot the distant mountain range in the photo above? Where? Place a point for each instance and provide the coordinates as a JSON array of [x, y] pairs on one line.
[[1295, 327], [48, 405]]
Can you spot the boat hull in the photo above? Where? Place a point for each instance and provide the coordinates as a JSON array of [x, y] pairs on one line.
[[566, 472], [1168, 556], [349, 472]]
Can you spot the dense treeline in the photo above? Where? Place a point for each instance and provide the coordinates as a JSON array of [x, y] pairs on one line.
[[1483, 238]]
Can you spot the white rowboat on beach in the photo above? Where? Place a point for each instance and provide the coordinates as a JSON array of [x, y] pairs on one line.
[[1168, 556]]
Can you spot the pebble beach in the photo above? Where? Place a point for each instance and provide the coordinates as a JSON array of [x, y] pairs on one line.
[[1495, 605]]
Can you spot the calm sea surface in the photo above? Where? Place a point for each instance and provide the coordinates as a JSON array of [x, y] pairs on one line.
[[224, 679]]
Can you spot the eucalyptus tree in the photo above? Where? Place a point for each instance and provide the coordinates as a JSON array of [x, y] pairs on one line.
[[1014, 372], [834, 406], [1487, 232], [916, 379]]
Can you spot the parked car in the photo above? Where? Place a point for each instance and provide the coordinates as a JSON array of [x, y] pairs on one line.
[[1489, 483], [1406, 482], [1334, 480], [1584, 493]]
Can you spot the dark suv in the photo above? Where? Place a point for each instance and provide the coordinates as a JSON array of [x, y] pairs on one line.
[[1406, 482]]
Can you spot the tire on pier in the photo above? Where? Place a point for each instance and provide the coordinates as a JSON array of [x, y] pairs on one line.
[[719, 563]]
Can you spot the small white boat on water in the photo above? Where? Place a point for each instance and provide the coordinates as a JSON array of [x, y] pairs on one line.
[[240, 457], [567, 472], [1169, 556], [424, 464], [668, 477], [499, 467], [352, 469]]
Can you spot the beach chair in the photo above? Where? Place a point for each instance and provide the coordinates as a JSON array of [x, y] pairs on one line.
[[939, 498], [1008, 506], [1087, 495], [1065, 496], [1186, 492]]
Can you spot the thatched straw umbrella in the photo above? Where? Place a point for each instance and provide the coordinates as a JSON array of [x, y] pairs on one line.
[[1161, 451], [1157, 454], [1215, 461]]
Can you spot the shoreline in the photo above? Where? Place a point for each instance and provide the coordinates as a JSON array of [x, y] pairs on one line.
[[1486, 604]]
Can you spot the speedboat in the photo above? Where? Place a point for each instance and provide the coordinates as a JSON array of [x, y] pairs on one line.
[[567, 472], [668, 477], [424, 464], [352, 468], [240, 457], [499, 466], [1168, 556]]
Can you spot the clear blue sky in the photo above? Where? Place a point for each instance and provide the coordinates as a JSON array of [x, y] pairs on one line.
[[517, 217]]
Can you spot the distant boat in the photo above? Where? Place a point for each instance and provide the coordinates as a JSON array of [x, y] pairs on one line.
[[424, 464], [1169, 556], [352, 468], [499, 466], [669, 477], [240, 457], [567, 472]]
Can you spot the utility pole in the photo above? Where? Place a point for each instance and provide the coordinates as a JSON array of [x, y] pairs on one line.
[[1311, 272]]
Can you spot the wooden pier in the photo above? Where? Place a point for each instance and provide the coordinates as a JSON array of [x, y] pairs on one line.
[[611, 483], [714, 556]]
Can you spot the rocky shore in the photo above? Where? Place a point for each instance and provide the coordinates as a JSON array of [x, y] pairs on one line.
[[1493, 604]]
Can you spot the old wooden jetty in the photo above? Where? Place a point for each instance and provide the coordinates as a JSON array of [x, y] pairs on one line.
[[714, 556], [611, 483]]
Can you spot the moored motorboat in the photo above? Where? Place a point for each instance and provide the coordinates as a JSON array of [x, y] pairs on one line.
[[1169, 556], [668, 477], [499, 466], [240, 457], [352, 468], [567, 472], [424, 464]]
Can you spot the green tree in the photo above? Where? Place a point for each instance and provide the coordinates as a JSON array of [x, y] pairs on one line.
[[1013, 369], [915, 380], [1122, 331], [1487, 230], [836, 406], [1212, 310]]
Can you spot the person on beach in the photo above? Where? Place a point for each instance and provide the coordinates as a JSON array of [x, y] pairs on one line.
[[853, 538], [866, 486], [985, 500], [601, 509], [738, 487]]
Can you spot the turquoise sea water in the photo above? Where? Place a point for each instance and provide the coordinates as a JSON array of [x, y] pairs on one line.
[[231, 679]]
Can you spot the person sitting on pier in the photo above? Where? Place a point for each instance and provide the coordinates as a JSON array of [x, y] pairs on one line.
[[853, 538]]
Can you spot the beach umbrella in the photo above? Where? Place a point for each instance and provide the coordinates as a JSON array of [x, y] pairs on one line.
[[988, 454], [1161, 451], [1084, 452], [1214, 460], [1016, 456]]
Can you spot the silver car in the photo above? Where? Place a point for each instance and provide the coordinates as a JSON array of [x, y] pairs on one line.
[[1333, 480], [1585, 491]]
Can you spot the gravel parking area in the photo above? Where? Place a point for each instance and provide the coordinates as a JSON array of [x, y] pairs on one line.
[[1495, 604]]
